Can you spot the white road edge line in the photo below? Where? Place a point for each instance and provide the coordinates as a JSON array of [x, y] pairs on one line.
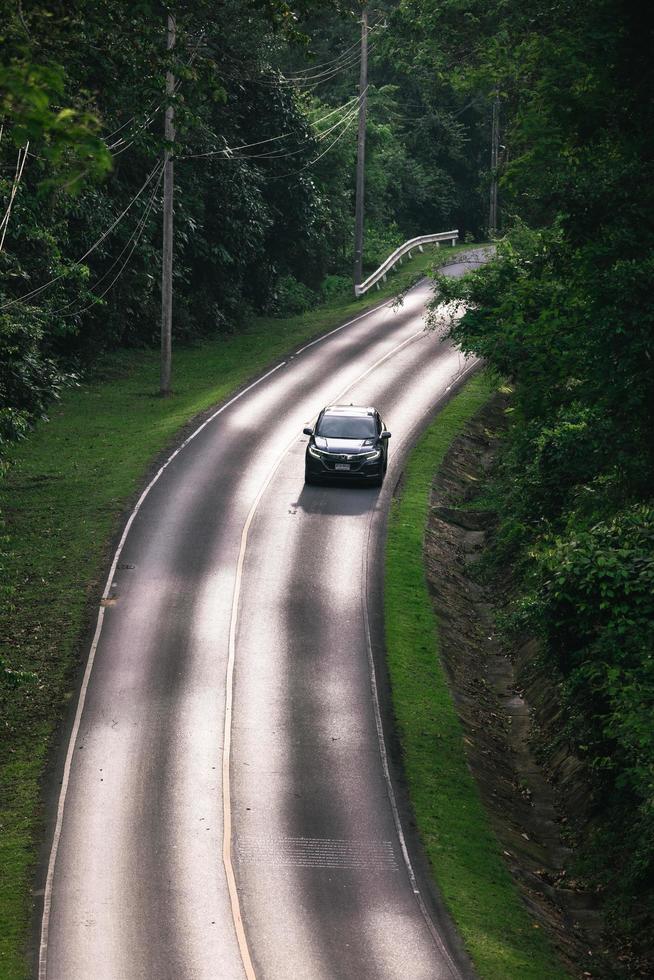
[[387, 775], [229, 682], [47, 895], [382, 743]]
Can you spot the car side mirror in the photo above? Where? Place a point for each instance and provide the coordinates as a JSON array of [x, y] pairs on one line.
[[307, 431], [385, 434]]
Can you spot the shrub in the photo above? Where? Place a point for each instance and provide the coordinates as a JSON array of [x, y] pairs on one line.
[[378, 245], [292, 297], [597, 598], [335, 286]]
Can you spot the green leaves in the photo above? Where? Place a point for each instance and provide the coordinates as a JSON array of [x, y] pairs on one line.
[[67, 138], [566, 311]]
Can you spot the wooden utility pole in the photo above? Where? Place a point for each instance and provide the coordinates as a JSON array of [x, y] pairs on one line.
[[495, 158], [361, 152], [167, 259]]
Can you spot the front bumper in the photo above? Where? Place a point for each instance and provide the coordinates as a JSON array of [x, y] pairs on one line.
[[325, 468]]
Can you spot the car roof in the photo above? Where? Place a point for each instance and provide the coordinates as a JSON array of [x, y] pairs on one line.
[[348, 410]]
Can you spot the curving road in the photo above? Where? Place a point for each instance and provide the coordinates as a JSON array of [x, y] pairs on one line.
[[227, 808]]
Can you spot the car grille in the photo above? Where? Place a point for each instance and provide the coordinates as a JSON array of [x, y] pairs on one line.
[[355, 462]]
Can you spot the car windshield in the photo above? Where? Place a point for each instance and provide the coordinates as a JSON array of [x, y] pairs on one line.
[[342, 427]]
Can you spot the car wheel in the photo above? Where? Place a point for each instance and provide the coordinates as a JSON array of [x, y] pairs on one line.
[[309, 479]]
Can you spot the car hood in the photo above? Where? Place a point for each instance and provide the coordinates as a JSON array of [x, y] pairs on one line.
[[348, 447]]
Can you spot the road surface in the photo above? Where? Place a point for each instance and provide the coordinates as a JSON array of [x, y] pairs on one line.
[[227, 808]]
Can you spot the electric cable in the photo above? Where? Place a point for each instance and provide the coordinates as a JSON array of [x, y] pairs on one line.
[[294, 173], [246, 146], [145, 125], [333, 61], [20, 166], [109, 136], [133, 240], [323, 75], [18, 170], [292, 153], [308, 73], [39, 289], [277, 81], [257, 69], [123, 250], [149, 119]]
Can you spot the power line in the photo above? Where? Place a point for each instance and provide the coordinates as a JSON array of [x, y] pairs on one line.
[[319, 138], [109, 136], [149, 119], [146, 125], [305, 83], [280, 155], [230, 152], [344, 56], [311, 78], [324, 64], [310, 73], [293, 173], [20, 166], [361, 144], [96, 244], [133, 240]]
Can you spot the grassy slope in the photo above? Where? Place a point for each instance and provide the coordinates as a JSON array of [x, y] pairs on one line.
[[497, 930], [62, 500]]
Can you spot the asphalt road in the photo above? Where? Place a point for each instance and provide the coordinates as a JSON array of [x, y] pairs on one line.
[[227, 806]]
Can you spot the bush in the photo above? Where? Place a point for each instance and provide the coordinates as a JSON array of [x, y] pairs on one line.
[[292, 297], [336, 286], [555, 458], [378, 245], [29, 379], [597, 606]]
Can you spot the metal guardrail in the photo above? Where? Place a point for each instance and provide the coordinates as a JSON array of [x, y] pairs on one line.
[[397, 255]]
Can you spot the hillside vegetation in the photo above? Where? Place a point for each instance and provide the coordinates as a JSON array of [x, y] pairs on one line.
[[566, 311]]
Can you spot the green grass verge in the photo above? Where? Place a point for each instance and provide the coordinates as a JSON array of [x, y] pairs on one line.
[[61, 501], [502, 939]]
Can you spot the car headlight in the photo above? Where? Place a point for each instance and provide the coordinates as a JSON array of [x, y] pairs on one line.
[[373, 456], [314, 452]]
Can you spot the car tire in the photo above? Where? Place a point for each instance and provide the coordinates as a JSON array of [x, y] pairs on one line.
[[309, 479]]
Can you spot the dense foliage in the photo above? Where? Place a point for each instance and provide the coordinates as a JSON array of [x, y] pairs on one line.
[[567, 312], [74, 71], [256, 229]]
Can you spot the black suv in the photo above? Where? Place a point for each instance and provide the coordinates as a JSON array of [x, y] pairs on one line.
[[349, 442]]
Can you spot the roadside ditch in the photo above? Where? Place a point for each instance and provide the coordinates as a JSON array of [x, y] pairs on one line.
[[507, 705]]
